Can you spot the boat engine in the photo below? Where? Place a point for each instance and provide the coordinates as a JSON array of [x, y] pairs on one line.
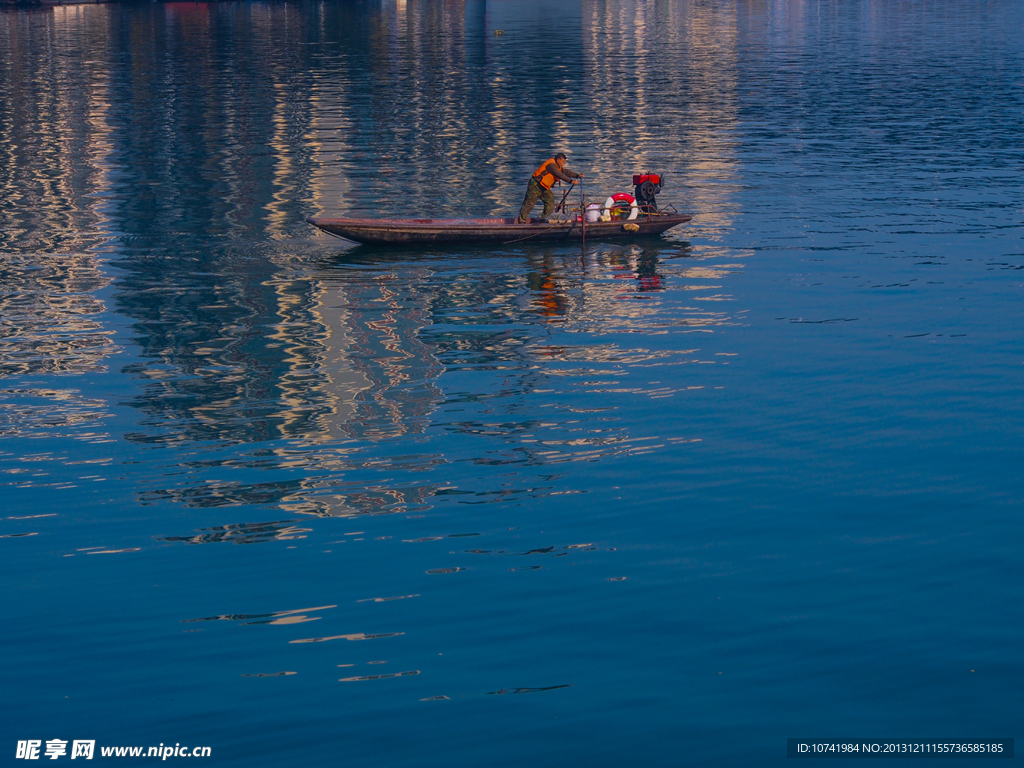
[[647, 186]]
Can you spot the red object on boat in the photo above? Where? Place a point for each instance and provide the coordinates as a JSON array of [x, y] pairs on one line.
[[640, 178]]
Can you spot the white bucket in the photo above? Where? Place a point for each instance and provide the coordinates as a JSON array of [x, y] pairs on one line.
[[593, 212]]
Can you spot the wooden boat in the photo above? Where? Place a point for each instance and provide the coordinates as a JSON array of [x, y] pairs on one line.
[[427, 231]]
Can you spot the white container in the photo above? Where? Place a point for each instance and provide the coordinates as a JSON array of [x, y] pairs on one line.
[[593, 212]]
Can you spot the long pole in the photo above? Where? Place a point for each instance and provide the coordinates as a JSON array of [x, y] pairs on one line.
[[561, 205], [583, 215]]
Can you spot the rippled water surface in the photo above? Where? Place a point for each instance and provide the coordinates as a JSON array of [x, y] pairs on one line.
[[657, 503]]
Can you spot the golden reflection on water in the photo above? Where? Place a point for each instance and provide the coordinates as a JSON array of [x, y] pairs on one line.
[[53, 182], [396, 125], [418, 117], [659, 117], [353, 636], [359, 357], [50, 316], [53, 116]]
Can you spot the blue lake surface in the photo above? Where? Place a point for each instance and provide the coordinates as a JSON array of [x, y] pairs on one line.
[[659, 503]]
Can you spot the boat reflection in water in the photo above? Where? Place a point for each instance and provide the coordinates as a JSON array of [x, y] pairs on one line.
[[343, 384]]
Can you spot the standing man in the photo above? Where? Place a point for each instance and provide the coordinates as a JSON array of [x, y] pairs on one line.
[[540, 186]]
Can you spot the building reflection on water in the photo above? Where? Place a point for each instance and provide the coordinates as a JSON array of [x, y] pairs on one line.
[[243, 120], [651, 114], [208, 133], [337, 372]]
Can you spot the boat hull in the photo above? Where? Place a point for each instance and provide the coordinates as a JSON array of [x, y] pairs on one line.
[[429, 231]]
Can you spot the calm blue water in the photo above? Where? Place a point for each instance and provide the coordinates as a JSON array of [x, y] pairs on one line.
[[662, 504]]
